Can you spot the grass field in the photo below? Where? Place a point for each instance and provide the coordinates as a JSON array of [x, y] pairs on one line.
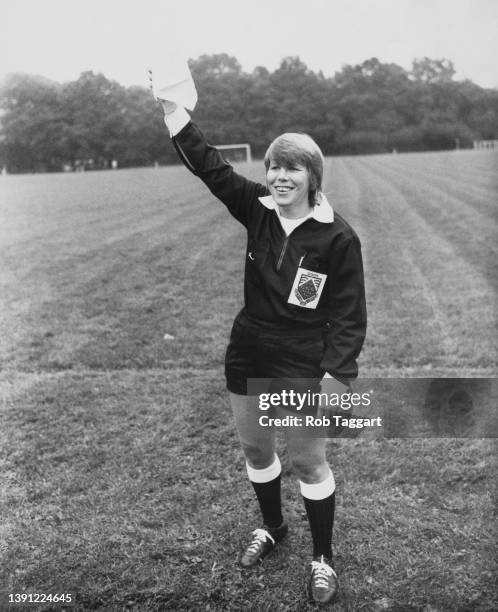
[[121, 480]]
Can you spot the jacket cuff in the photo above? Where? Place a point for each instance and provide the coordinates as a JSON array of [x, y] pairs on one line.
[[176, 121]]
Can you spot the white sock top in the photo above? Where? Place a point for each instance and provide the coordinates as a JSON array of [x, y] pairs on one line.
[[318, 491], [266, 474]]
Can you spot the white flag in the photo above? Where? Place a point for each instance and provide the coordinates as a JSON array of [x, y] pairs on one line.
[[172, 80]]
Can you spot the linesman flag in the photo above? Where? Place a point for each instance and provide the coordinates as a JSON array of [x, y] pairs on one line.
[[172, 80]]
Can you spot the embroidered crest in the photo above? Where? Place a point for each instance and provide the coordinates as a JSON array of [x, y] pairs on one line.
[[307, 288]]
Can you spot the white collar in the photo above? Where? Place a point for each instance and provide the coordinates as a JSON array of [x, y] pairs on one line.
[[322, 211]]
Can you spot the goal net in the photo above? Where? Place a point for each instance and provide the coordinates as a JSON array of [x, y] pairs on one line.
[[235, 152]]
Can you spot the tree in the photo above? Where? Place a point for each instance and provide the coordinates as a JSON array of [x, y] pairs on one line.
[[217, 78], [143, 140], [214, 66], [95, 107], [433, 70], [372, 104], [34, 125], [368, 107]]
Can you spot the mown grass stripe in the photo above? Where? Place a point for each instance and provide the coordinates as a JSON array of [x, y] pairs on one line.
[[455, 292]]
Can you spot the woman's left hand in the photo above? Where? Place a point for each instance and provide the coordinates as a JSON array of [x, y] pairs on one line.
[[330, 385]]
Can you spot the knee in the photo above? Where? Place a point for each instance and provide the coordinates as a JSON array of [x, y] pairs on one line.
[[258, 457], [310, 470]]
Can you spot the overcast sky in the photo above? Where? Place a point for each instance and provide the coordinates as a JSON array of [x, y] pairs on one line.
[[61, 38]]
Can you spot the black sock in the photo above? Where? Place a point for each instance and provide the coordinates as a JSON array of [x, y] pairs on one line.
[[321, 519], [268, 494]]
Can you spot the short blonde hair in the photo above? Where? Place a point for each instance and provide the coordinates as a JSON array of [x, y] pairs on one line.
[[295, 148]]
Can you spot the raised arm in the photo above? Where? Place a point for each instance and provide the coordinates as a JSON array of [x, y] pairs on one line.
[[238, 193]]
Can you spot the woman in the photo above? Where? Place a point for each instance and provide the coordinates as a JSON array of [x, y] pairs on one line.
[[304, 318]]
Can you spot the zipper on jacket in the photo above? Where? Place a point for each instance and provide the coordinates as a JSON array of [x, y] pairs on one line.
[[282, 253]]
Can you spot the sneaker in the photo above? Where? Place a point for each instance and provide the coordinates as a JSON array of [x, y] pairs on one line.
[[323, 584], [262, 543]]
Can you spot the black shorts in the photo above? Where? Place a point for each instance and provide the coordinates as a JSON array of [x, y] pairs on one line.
[[256, 352]]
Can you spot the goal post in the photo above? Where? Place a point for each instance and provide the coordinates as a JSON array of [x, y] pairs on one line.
[[236, 152]]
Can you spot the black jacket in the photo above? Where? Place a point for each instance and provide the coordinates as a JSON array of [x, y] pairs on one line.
[[313, 277]]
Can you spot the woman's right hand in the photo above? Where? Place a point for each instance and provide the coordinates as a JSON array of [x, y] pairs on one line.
[[168, 106]]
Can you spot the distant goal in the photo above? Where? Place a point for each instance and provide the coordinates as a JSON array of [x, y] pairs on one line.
[[235, 152]]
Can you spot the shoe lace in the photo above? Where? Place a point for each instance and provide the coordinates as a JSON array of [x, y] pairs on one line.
[[259, 537], [321, 573]]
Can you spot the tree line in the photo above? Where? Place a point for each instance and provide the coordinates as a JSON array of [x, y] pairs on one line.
[[371, 107]]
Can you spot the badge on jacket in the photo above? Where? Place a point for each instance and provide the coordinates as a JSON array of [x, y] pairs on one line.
[[307, 288]]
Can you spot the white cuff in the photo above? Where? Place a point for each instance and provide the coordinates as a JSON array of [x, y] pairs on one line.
[[266, 474], [318, 491], [176, 120]]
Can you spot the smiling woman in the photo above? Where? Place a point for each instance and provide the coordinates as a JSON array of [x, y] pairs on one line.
[[294, 168], [304, 318], [289, 188]]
